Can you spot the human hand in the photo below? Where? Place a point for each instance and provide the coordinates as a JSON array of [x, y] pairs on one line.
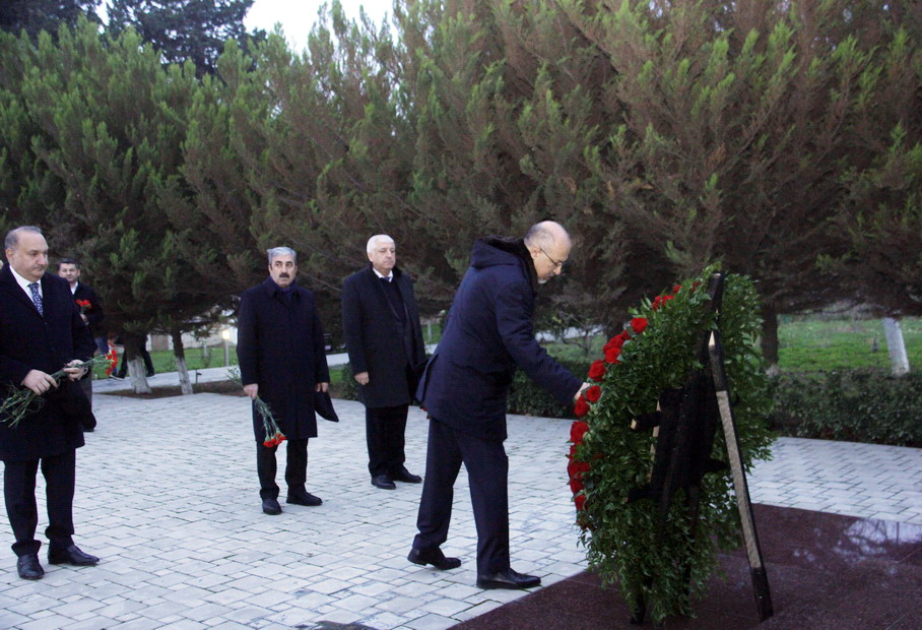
[[362, 378], [583, 388], [323, 387], [73, 372], [251, 390], [38, 381]]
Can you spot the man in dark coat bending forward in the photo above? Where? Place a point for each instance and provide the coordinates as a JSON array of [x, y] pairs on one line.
[[487, 336], [282, 360]]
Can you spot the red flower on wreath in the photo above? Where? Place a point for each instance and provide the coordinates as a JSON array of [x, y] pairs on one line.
[[593, 393], [639, 324], [597, 370], [577, 431], [580, 501], [582, 407], [612, 354]]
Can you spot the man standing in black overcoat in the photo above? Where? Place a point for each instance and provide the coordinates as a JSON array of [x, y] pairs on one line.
[[90, 312], [487, 336], [280, 349], [87, 300], [41, 332], [386, 351]]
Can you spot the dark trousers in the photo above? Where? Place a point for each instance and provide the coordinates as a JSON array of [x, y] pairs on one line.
[[488, 471], [145, 356], [19, 493], [384, 431], [295, 468], [86, 384]]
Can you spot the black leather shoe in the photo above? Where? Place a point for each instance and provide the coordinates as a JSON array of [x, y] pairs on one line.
[[271, 506], [406, 476], [29, 568], [507, 579], [384, 482], [303, 497], [435, 557], [71, 555]]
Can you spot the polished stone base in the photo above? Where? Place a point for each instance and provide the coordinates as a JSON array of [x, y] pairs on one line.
[[825, 571]]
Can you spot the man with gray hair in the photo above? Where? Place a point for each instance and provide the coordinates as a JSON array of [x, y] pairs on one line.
[[280, 349], [386, 352]]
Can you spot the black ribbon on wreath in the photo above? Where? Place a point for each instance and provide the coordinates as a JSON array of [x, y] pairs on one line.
[[685, 425]]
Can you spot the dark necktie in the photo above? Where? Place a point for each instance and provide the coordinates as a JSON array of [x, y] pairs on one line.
[[386, 279], [37, 298]]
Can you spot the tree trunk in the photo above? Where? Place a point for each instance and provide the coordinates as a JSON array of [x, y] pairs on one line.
[[137, 371], [893, 333], [769, 341], [179, 351]]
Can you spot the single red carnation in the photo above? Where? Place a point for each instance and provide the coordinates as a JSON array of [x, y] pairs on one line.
[[657, 302], [597, 370], [612, 354], [268, 444], [593, 393], [639, 324], [581, 408], [677, 288], [575, 485], [577, 431], [617, 341], [580, 501]]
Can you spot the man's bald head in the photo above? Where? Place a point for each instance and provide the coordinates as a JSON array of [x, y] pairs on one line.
[[549, 245]]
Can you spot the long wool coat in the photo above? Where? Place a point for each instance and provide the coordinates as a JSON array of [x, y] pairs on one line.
[[280, 347], [375, 339], [29, 341]]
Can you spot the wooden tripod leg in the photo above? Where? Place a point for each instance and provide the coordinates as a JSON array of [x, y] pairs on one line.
[[750, 536]]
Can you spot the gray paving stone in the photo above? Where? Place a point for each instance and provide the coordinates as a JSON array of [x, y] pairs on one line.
[[184, 541]]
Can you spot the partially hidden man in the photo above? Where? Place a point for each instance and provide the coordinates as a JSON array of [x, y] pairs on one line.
[[488, 335], [280, 349], [386, 352], [41, 332]]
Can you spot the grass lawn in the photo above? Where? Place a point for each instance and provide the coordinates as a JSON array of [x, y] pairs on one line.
[[808, 344]]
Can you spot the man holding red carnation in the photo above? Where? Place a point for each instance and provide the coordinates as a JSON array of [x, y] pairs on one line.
[[489, 334], [280, 349]]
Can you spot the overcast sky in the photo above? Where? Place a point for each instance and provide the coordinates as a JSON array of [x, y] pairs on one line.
[[298, 16]]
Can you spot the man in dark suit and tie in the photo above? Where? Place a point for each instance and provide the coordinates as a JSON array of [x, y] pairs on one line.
[[488, 335], [41, 332], [90, 312], [386, 352], [87, 300], [280, 349]]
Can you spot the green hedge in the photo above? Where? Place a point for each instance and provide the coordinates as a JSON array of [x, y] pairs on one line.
[[853, 405], [525, 396], [529, 399]]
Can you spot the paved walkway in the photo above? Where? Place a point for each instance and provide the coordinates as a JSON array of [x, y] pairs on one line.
[[167, 495]]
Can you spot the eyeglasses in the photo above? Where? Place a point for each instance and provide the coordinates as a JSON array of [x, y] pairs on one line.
[[558, 264]]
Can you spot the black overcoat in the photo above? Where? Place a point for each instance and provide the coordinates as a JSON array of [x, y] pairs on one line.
[[29, 341], [375, 338], [94, 314], [489, 334], [280, 347]]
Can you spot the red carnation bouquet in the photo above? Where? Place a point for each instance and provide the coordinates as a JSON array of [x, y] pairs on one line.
[[274, 435], [84, 305]]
